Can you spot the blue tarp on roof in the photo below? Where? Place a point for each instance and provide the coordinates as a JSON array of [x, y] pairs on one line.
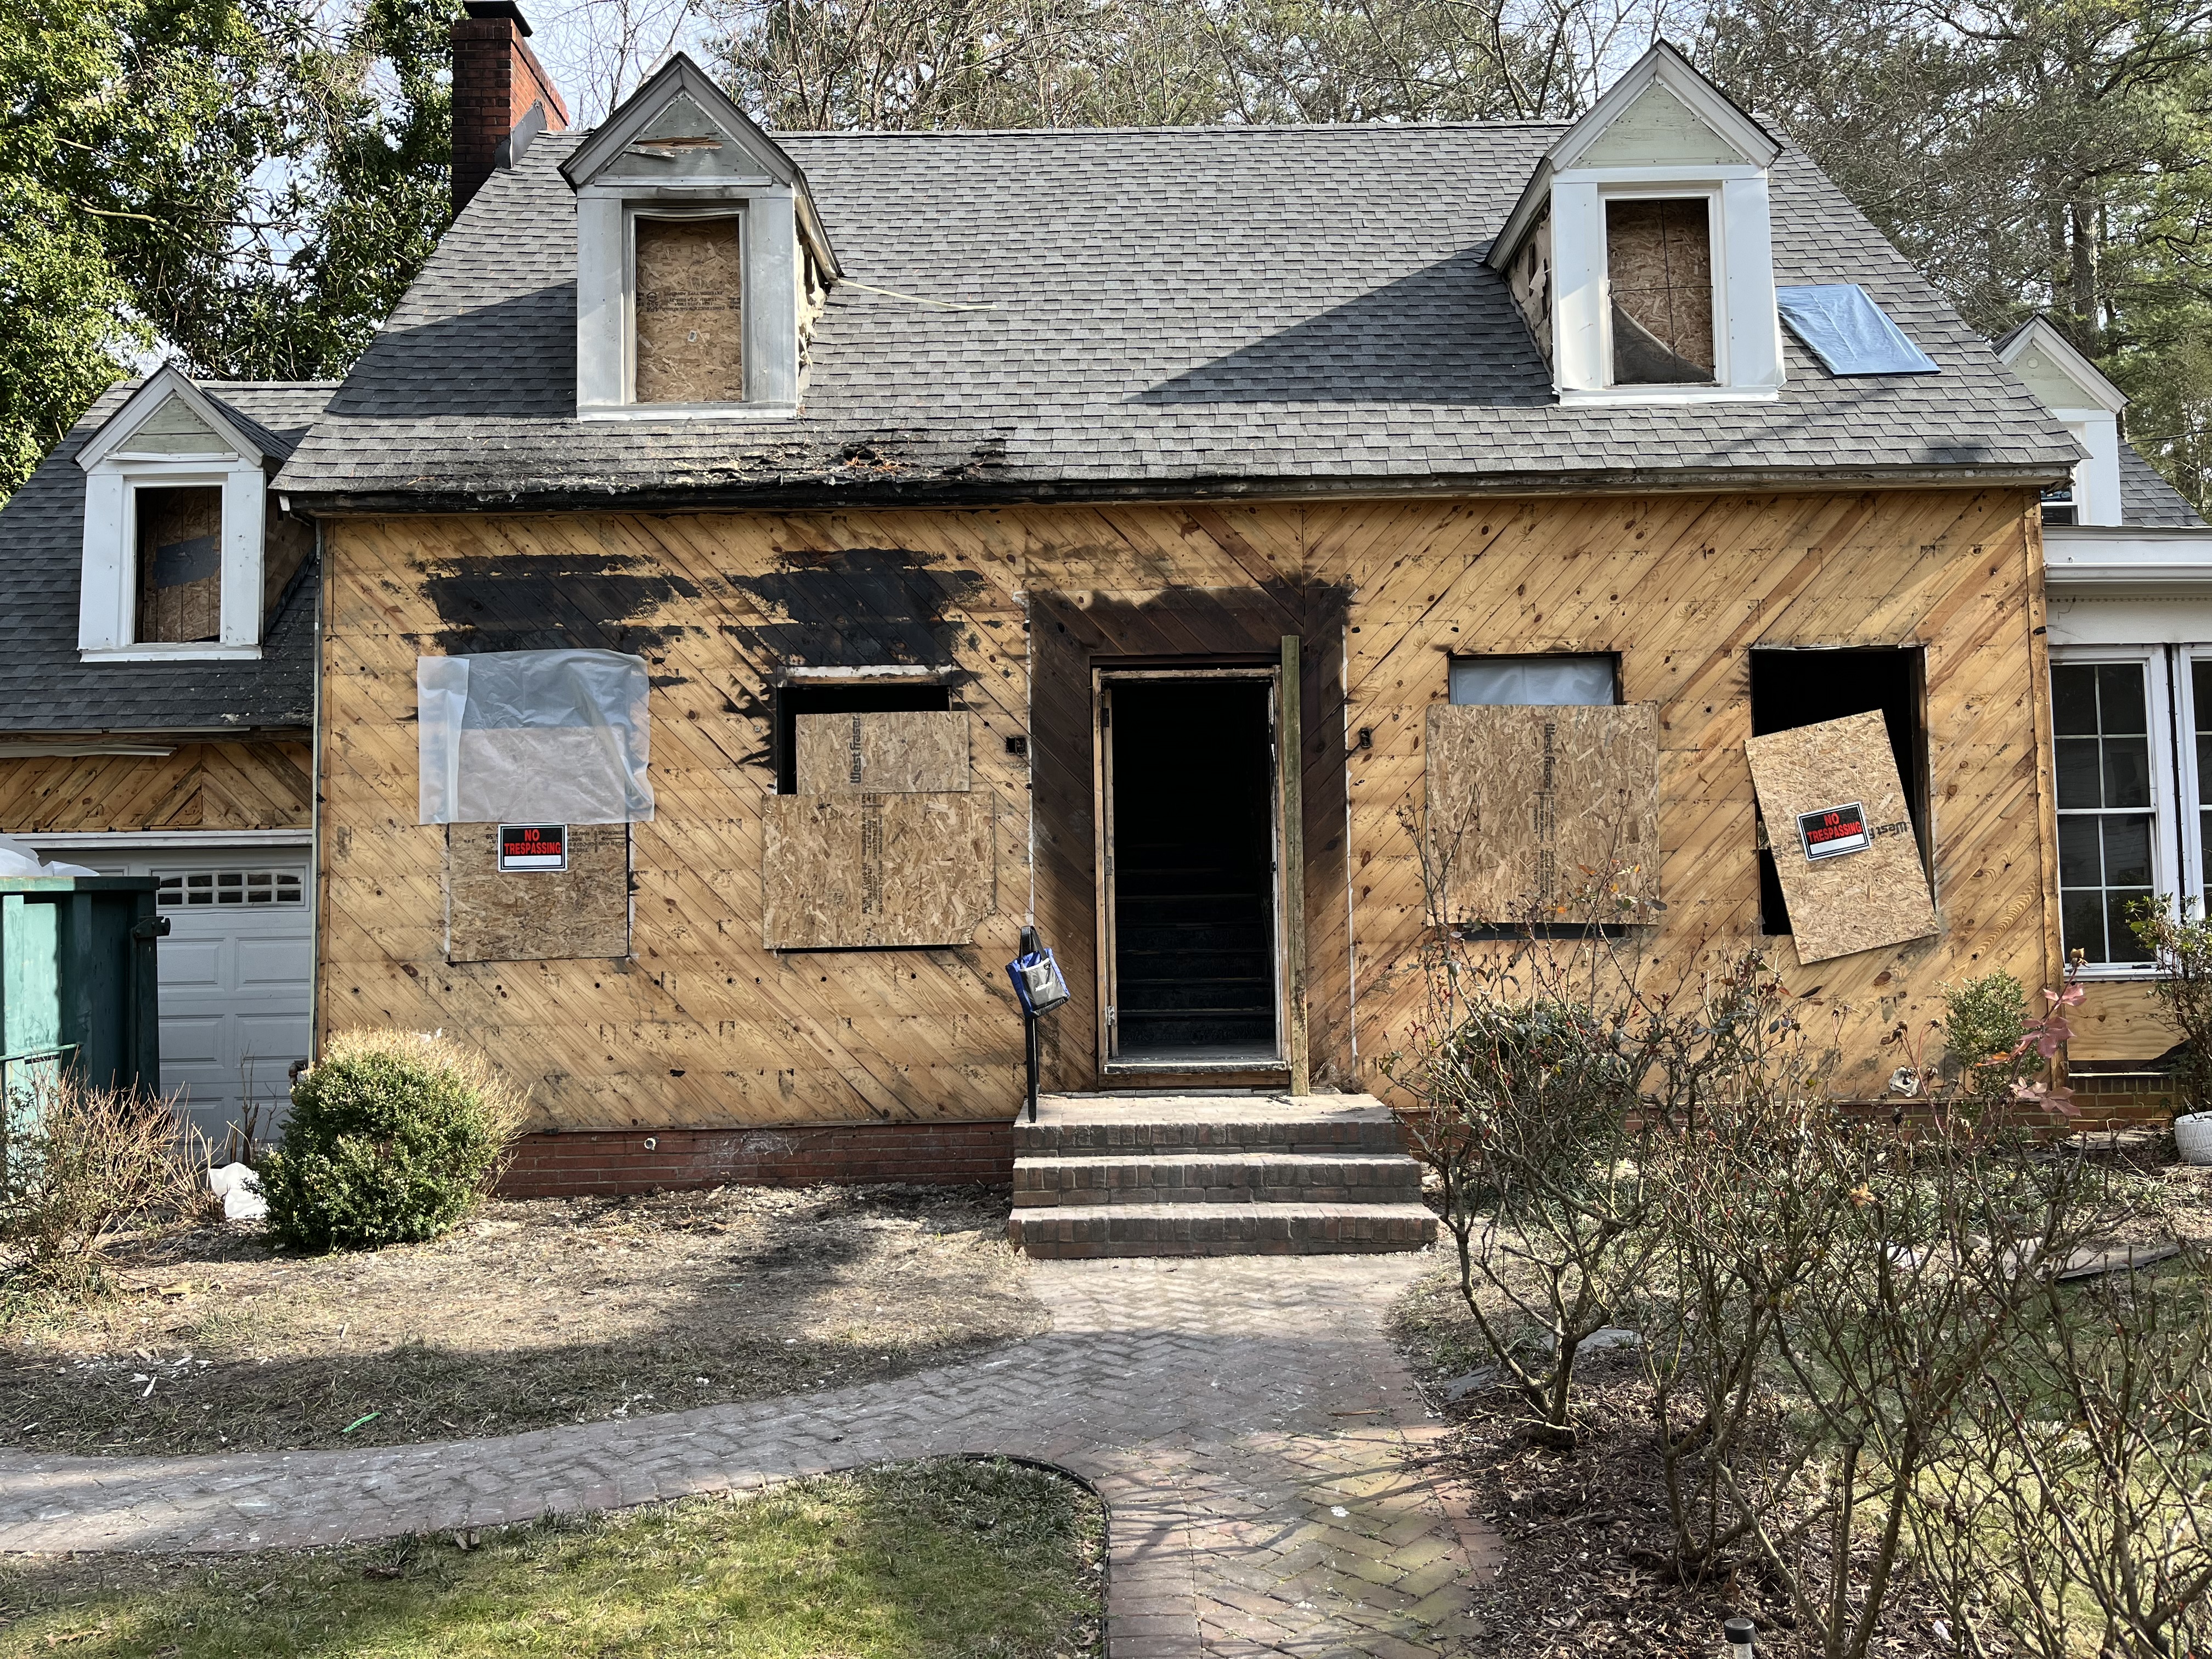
[[1843, 326]]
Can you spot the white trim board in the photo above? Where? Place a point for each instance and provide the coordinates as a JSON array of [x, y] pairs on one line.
[[180, 840]]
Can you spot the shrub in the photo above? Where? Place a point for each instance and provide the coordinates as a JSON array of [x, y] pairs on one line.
[[78, 1162], [2183, 953], [393, 1137], [1985, 1029]]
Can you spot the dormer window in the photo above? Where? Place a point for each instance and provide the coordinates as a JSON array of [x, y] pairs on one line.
[[176, 529], [700, 262], [1641, 251], [2086, 404]]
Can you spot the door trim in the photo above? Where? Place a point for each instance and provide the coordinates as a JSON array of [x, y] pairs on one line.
[[1103, 678]]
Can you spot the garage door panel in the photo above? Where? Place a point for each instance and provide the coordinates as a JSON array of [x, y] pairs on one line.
[[190, 1040], [190, 965], [274, 963]]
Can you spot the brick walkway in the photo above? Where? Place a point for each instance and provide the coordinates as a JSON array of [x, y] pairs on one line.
[[1256, 1439]]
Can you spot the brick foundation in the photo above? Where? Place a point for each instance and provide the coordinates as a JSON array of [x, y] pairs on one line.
[[603, 1164]]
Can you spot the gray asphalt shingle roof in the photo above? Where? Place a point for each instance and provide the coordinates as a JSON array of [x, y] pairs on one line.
[[1256, 309], [2147, 500], [43, 688]]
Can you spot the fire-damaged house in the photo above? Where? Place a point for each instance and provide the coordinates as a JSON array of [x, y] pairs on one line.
[[753, 576]]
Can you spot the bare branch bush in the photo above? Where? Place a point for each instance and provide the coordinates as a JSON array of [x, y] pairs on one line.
[[75, 1164]]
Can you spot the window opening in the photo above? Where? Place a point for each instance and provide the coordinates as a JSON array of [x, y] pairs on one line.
[[1538, 682], [1194, 871], [239, 887], [1794, 688], [1659, 266], [792, 701], [179, 557], [689, 289], [2107, 817], [2058, 505]]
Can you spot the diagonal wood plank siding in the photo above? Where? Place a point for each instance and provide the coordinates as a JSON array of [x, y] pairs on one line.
[[703, 1028], [201, 785]]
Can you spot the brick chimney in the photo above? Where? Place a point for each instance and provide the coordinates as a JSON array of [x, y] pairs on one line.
[[502, 97]]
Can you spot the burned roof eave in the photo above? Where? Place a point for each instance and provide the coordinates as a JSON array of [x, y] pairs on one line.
[[823, 490]]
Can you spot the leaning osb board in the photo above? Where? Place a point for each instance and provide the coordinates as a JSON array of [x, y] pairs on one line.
[[690, 317], [1854, 901], [537, 915], [901, 753], [859, 869], [1546, 814]]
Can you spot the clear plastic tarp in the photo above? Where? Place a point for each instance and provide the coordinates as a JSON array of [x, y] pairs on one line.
[[1842, 325], [520, 737], [1537, 682]]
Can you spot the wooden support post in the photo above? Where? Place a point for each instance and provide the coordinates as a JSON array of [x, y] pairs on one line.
[[1290, 759]]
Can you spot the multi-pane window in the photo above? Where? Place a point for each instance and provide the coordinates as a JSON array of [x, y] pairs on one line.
[[2200, 722], [229, 887], [2101, 736]]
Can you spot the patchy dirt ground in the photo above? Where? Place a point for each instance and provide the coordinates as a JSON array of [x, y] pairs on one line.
[[535, 1313]]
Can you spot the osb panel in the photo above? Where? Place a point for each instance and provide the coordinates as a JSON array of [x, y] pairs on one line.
[[201, 785], [2120, 1019], [891, 753], [537, 915], [1850, 902], [180, 564], [1659, 266], [1533, 810], [703, 1027], [875, 870], [689, 311]]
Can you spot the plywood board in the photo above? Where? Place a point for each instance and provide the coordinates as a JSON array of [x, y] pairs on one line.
[[691, 319], [180, 564], [1534, 808], [537, 915], [875, 870], [905, 752], [1855, 901]]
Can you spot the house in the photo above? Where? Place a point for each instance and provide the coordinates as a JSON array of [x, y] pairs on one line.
[[759, 573], [2129, 569]]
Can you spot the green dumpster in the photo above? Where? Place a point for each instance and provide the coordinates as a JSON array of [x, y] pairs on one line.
[[78, 989]]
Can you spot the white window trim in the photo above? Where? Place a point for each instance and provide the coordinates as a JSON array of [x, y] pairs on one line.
[[2188, 812], [107, 612], [2168, 869]]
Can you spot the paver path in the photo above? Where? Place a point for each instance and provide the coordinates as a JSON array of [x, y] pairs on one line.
[[1258, 1442]]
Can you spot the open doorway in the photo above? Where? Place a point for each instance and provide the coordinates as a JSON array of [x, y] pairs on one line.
[[1187, 776]]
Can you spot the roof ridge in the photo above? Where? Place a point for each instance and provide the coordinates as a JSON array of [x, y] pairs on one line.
[[1222, 129]]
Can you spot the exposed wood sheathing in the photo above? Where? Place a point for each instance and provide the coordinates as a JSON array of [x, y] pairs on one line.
[[861, 870], [898, 752], [1546, 815], [703, 1027], [180, 564], [1855, 901], [690, 317], [534, 915], [201, 785]]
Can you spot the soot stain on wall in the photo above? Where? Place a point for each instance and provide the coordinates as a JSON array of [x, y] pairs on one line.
[[552, 602], [857, 606]]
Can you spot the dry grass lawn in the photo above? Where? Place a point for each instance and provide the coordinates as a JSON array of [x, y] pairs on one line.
[[535, 1313]]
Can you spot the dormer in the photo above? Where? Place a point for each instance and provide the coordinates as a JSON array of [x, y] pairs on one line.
[[1641, 253], [700, 263], [2086, 404], [182, 558]]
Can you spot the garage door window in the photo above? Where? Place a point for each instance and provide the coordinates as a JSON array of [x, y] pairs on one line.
[[229, 887]]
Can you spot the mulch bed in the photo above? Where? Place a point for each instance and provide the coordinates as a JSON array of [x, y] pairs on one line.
[[534, 1312]]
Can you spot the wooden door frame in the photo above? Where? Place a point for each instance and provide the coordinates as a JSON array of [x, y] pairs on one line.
[[1101, 818]]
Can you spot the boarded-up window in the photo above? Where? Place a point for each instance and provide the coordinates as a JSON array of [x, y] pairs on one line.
[[901, 753], [1659, 265], [180, 550], [875, 870], [536, 916], [1546, 815], [689, 296], [1834, 806]]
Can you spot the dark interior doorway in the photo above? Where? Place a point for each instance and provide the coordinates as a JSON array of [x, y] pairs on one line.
[[1794, 688], [1192, 870]]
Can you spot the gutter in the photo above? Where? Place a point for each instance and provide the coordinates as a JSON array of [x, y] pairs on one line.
[[831, 491]]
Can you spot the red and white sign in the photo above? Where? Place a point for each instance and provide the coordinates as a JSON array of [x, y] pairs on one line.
[[533, 847]]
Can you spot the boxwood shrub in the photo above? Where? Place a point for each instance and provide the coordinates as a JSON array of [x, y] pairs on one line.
[[393, 1138]]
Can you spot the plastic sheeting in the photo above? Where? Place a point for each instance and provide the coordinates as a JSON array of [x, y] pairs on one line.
[[1538, 682], [1842, 325], [550, 736]]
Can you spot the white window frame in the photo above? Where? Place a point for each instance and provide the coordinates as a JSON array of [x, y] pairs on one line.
[[677, 212], [2171, 861], [108, 614], [2188, 810]]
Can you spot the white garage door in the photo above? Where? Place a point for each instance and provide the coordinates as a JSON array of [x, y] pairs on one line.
[[236, 974]]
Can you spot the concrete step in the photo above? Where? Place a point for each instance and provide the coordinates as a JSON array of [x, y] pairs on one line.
[[1096, 1124], [1103, 1229], [1222, 1177]]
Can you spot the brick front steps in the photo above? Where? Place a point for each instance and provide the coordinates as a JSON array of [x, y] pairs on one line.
[[1183, 1174]]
